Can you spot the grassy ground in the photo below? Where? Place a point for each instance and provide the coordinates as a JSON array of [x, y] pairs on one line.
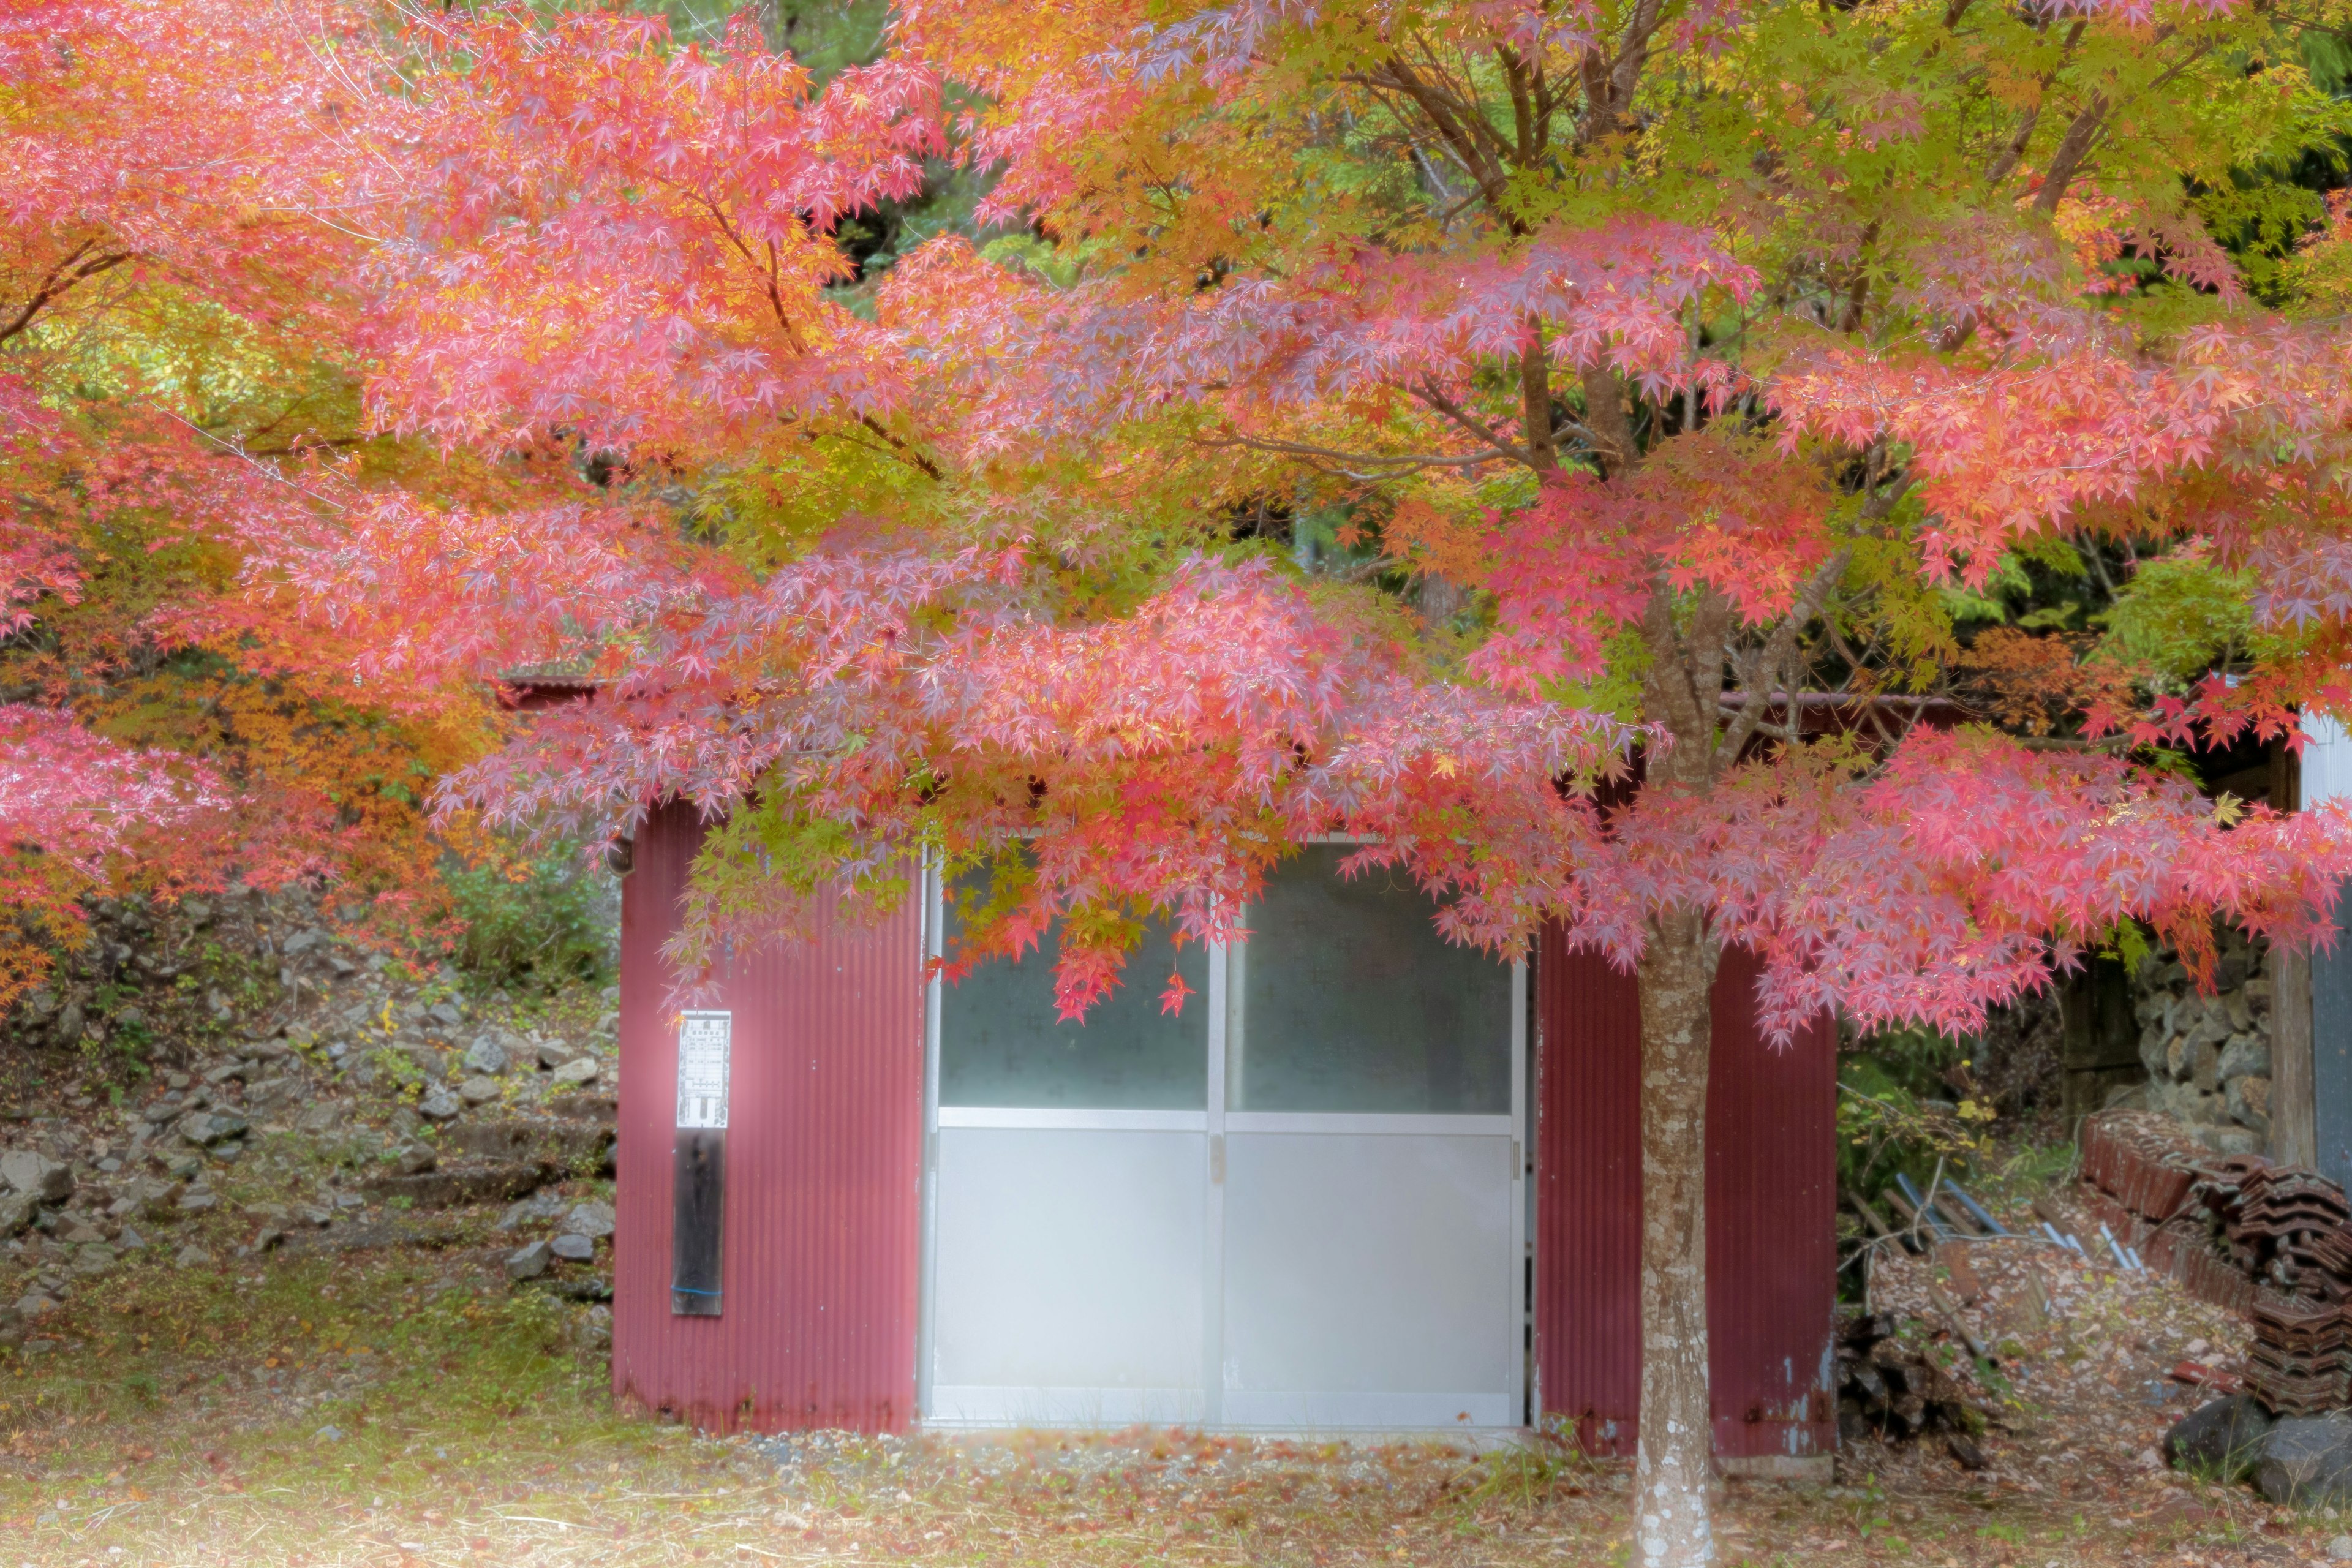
[[407, 1407]]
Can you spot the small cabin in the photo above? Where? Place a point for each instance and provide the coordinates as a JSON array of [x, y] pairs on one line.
[[1364, 1182]]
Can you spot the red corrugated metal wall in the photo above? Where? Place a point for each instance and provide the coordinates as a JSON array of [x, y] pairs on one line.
[[822, 1218], [1587, 1194], [1771, 1213]]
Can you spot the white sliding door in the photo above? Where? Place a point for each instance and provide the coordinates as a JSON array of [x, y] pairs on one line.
[[1296, 1207], [1069, 1179], [1371, 1242]]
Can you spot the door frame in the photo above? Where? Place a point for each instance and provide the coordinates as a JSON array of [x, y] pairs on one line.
[[1217, 1122]]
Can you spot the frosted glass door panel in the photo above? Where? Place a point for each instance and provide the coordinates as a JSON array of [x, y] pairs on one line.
[[1068, 1286], [1345, 999], [1001, 1042], [1370, 1281]]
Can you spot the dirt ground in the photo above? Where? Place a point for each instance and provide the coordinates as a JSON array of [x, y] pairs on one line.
[[406, 1406]]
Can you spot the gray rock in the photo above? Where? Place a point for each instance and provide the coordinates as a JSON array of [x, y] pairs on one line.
[[595, 1330], [227, 1070], [191, 1256], [426, 1059], [131, 1240], [198, 912], [578, 1249], [2250, 1101], [448, 1015], [553, 1054], [2244, 1056], [29, 1171], [2340, 1549], [479, 1090], [529, 1262], [486, 1055], [2230, 1140], [440, 1106], [69, 1023], [590, 1220], [33, 1306], [2306, 1461], [415, 1159], [16, 1212], [204, 1128], [580, 1070], [539, 1206], [323, 1117], [198, 1200], [96, 1257], [2205, 1110]]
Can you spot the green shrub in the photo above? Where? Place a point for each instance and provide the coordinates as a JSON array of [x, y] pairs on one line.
[[538, 924]]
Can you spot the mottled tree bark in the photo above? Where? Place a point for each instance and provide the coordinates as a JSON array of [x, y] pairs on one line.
[[1677, 1436]]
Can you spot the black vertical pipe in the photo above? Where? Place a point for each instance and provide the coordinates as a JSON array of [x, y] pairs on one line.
[[697, 1198]]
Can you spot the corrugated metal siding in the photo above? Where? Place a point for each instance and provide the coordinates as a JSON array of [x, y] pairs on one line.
[[1771, 1238], [1588, 1194], [823, 1228], [1772, 1227]]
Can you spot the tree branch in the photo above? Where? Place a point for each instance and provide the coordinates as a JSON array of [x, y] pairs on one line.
[[1427, 392], [1463, 130], [1353, 464], [1535, 399], [1781, 647], [2072, 149], [61, 279], [1604, 415]]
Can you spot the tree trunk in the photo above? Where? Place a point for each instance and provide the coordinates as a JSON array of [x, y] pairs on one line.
[[1676, 1459]]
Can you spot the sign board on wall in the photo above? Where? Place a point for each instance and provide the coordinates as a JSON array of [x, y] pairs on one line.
[[704, 1041]]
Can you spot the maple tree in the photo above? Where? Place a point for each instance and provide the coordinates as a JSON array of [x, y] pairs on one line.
[[181, 340], [1637, 385], [1693, 349]]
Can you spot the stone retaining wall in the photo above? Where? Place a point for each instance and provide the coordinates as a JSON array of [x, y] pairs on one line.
[[2208, 1056]]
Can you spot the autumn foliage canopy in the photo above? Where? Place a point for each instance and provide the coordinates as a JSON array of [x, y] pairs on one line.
[[1404, 420]]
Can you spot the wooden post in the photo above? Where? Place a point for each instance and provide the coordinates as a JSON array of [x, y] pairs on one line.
[[2295, 1085], [2295, 1132]]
